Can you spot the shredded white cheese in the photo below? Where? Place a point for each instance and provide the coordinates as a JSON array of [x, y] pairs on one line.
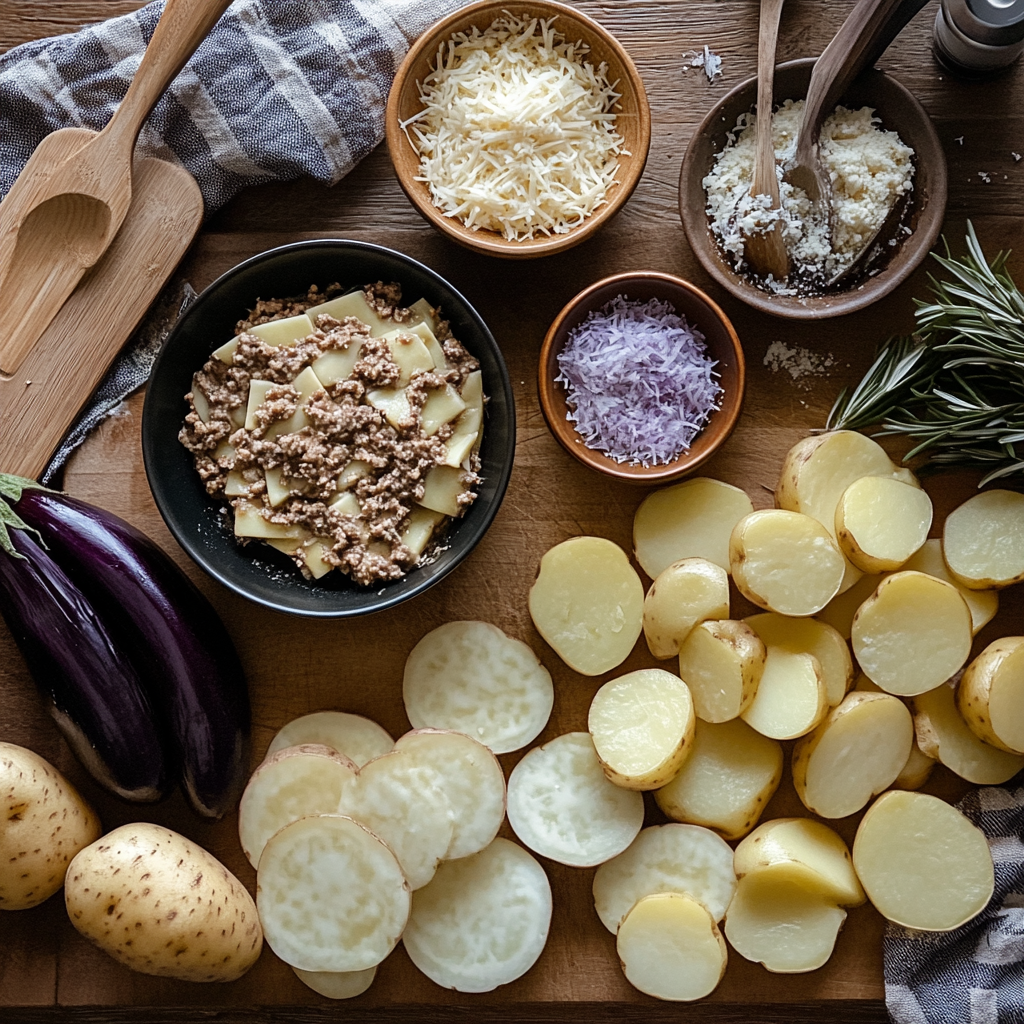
[[517, 132], [708, 61]]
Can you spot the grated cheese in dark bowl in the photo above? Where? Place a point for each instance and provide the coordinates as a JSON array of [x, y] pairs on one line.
[[639, 383]]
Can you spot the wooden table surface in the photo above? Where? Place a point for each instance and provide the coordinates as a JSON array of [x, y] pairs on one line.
[[49, 973]]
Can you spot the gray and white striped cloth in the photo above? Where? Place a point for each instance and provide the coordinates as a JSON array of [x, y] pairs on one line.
[[975, 974]]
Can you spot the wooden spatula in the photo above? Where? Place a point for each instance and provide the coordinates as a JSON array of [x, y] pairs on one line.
[[69, 201]]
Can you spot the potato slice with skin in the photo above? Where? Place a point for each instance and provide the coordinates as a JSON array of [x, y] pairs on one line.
[[722, 661], [359, 739], [483, 921], [912, 634], [858, 751], [840, 611], [470, 677], [331, 895], [922, 863], [806, 851], [642, 727], [684, 859], [690, 519], [881, 522], [671, 948], [776, 921], [288, 785], [727, 780], [689, 591], [983, 540], [562, 806], [983, 603], [943, 734], [914, 774], [790, 699], [337, 984], [587, 603], [991, 694], [785, 562]]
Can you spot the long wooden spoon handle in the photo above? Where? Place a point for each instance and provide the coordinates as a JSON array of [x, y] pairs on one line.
[[767, 39]]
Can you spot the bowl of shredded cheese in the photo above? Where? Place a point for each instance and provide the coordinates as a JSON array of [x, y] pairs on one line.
[[518, 129]]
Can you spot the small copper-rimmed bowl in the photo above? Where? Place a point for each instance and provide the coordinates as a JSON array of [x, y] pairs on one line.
[[702, 314], [632, 121]]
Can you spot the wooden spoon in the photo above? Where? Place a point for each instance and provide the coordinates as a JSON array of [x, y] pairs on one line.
[[765, 251], [69, 201]]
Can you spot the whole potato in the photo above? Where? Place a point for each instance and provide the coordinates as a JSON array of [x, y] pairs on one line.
[[160, 904], [45, 823]]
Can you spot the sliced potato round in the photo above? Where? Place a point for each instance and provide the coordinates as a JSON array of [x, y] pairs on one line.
[[777, 921], [809, 637], [588, 604], [785, 561], [562, 806], [806, 851], [991, 694], [983, 540], [337, 984], [483, 921], [790, 699], [687, 520], [727, 780], [685, 859], [858, 751], [687, 592], [912, 634], [840, 611], [983, 603], [881, 522], [721, 661], [472, 678], [943, 734], [359, 739], [921, 862], [472, 781], [671, 948], [915, 772], [331, 895]]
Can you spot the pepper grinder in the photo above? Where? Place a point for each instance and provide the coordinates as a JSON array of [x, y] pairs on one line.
[[976, 38]]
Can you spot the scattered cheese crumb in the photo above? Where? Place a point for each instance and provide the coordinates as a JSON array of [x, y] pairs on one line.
[[985, 177], [707, 60], [797, 362], [1016, 156], [959, 139]]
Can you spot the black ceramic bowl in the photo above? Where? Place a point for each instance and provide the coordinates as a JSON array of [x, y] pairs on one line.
[[257, 571]]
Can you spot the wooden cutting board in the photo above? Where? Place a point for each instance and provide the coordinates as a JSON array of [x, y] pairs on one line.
[[40, 402]]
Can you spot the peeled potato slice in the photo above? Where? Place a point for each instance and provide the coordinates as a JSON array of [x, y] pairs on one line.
[[991, 694], [790, 699], [642, 726], [722, 661], [840, 611], [776, 921], [881, 522], [684, 859], [983, 603], [472, 781], [921, 862], [983, 540], [483, 921], [562, 806], [687, 520], [671, 948], [337, 984], [294, 782], [358, 738], [943, 734], [785, 562], [472, 678], [912, 634], [727, 780], [331, 895], [687, 592], [858, 751], [588, 604]]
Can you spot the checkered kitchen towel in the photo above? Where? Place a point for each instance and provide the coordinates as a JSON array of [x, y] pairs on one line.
[[975, 974]]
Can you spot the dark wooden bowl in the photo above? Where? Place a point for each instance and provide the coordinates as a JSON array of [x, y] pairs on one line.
[[701, 312], [899, 111], [633, 122]]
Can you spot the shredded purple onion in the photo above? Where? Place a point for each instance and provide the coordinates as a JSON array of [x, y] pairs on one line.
[[639, 383]]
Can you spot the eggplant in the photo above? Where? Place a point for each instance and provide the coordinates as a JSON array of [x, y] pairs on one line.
[[95, 695], [170, 631]]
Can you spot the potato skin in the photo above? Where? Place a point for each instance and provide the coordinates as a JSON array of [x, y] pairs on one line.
[[160, 904], [45, 823], [975, 690]]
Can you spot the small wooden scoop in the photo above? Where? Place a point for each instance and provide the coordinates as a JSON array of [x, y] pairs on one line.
[[69, 201]]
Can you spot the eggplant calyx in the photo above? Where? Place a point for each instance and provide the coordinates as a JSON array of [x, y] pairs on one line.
[[11, 488]]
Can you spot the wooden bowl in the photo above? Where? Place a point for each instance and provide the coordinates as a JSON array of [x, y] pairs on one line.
[[633, 121], [899, 111], [701, 313]]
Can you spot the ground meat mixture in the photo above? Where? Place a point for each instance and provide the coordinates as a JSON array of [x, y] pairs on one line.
[[389, 461]]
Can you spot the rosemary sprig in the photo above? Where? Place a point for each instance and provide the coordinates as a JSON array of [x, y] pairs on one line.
[[956, 387]]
